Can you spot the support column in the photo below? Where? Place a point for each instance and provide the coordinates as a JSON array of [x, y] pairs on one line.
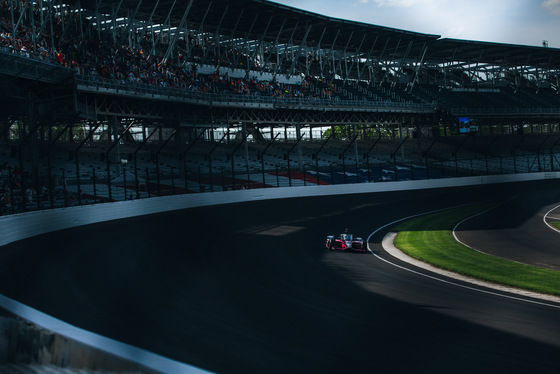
[[419, 139], [354, 133], [33, 143], [401, 137], [116, 135], [299, 147], [246, 146]]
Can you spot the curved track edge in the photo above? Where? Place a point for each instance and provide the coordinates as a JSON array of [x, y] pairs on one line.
[[527, 296]]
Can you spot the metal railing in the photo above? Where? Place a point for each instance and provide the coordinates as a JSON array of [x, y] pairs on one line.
[[32, 66], [512, 111], [97, 84]]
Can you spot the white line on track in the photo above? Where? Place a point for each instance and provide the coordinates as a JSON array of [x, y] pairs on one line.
[[434, 277], [548, 224]]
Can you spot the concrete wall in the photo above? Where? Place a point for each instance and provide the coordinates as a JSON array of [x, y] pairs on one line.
[[25, 225]]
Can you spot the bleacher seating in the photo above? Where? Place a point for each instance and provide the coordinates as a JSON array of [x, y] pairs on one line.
[[223, 70]]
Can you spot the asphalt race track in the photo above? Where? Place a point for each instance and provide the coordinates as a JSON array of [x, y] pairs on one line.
[[250, 288], [515, 230]]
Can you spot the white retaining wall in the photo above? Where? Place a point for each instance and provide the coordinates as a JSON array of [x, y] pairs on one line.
[[25, 225]]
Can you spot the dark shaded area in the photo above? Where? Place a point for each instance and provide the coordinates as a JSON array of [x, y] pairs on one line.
[[250, 288], [24, 345]]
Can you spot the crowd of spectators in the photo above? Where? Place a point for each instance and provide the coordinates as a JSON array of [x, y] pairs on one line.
[[107, 59], [24, 41]]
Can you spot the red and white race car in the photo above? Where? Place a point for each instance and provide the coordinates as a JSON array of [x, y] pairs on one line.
[[345, 242]]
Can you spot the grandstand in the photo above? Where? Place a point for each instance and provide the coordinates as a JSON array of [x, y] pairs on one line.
[[110, 100]]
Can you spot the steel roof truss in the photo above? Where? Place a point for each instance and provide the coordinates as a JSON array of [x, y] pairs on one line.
[[217, 35], [173, 42], [338, 67], [319, 53], [45, 20], [331, 50], [114, 21], [368, 57], [165, 23], [21, 16], [399, 65], [447, 66], [387, 62], [300, 49], [356, 57], [418, 65], [544, 74], [68, 24], [247, 35], [384, 49], [281, 60], [235, 28], [131, 19], [150, 19], [258, 53]]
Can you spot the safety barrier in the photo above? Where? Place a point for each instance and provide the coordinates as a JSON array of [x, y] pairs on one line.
[[20, 226]]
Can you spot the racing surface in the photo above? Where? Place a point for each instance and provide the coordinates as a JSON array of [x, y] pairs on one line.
[[516, 230], [247, 288]]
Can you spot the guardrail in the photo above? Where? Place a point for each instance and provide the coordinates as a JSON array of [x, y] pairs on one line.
[[509, 112], [32, 66], [96, 84]]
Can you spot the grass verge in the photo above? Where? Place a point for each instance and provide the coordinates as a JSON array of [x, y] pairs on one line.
[[430, 239], [556, 224]]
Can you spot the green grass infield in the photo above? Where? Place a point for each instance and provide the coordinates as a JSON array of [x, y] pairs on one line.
[[430, 239], [556, 224]]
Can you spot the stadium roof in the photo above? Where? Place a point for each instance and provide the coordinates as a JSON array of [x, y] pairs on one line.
[[446, 50], [256, 19]]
